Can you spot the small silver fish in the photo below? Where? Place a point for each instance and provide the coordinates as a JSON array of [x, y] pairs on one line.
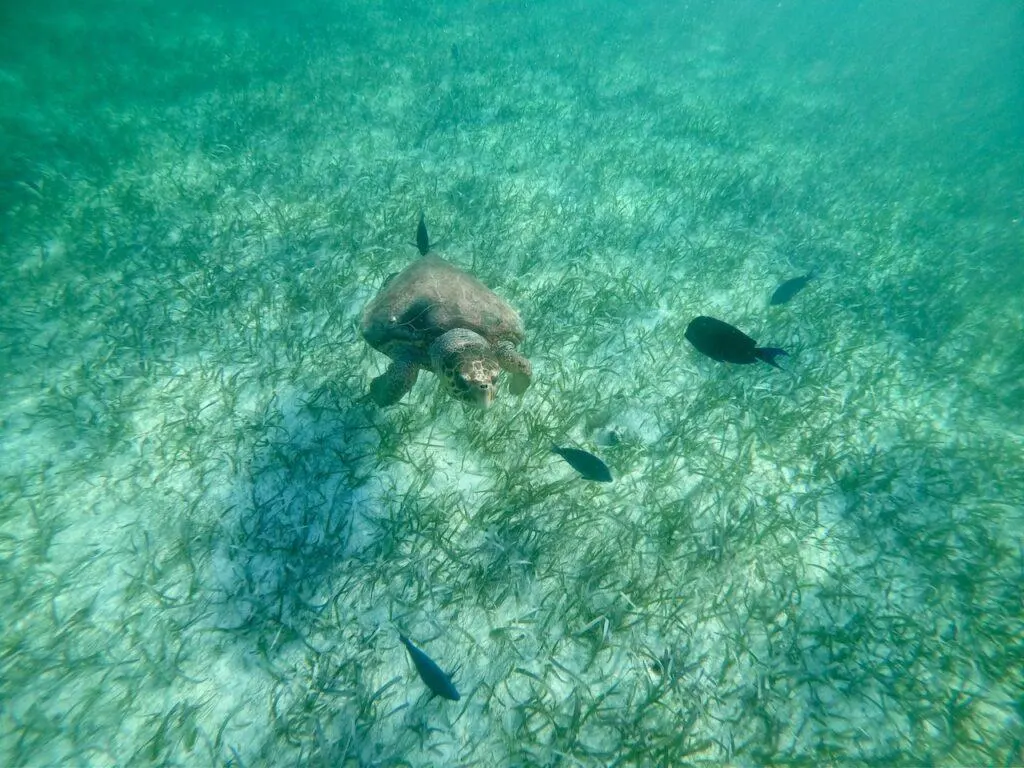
[[587, 464], [439, 683]]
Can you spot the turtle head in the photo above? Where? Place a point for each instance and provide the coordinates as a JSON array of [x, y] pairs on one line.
[[466, 365]]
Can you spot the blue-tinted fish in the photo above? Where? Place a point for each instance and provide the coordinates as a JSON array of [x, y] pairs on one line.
[[586, 463], [790, 288], [436, 680], [422, 238], [721, 341]]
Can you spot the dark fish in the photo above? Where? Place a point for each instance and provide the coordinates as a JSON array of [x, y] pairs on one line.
[[586, 463], [422, 238], [436, 680], [790, 288], [721, 341]]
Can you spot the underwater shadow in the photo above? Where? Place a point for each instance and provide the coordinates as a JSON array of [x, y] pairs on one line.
[[296, 519]]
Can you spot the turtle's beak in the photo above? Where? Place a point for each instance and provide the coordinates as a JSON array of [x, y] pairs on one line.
[[481, 398], [476, 382]]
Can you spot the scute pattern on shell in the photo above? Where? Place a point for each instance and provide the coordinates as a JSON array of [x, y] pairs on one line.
[[429, 298]]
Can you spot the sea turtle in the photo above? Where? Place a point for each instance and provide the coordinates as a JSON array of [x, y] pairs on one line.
[[434, 315]]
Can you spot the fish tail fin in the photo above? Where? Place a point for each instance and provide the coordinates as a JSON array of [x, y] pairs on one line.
[[768, 355]]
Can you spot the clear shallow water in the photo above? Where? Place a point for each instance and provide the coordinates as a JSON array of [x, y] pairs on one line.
[[209, 543]]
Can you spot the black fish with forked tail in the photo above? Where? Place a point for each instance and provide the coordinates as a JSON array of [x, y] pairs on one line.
[[587, 464], [439, 683], [790, 288], [422, 238], [721, 341]]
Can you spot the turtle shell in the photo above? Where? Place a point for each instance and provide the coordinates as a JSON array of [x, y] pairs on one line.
[[429, 298]]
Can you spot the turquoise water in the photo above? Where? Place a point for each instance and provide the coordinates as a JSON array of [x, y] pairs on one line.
[[210, 540]]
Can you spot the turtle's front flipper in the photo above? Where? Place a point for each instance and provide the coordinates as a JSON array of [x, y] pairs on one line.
[[518, 367], [391, 386]]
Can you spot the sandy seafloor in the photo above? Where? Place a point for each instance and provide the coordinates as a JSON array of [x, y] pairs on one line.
[[209, 542]]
